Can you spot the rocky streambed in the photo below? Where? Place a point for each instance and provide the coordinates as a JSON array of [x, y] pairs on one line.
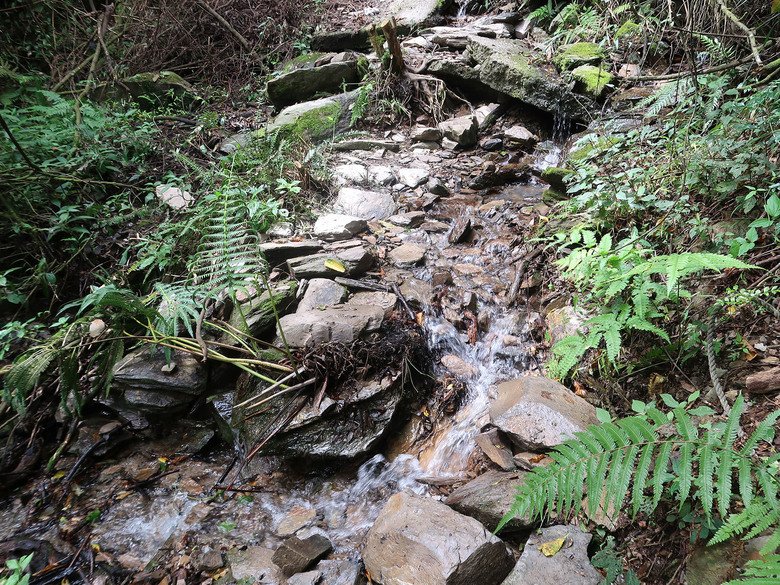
[[423, 266]]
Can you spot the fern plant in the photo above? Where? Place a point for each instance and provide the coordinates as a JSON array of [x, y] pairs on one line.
[[632, 459], [630, 285]]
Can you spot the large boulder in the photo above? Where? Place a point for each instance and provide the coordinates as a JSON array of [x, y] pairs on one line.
[[342, 324], [316, 120], [419, 540], [462, 130], [365, 204], [344, 426], [302, 84], [591, 80], [537, 413], [352, 261], [506, 65], [415, 12], [336, 226], [489, 497], [568, 566]]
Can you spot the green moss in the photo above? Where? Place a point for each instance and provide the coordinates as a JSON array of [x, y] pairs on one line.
[[272, 355], [591, 80], [569, 56], [319, 122], [589, 145], [556, 177], [302, 62], [628, 30]]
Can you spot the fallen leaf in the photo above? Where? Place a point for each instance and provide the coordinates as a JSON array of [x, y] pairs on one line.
[[332, 264], [550, 548], [579, 389]]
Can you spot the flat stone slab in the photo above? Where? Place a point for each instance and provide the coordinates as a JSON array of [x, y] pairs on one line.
[[332, 227], [489, 497], [256, 564], [355, 261], [537, 413], [365, 204], [336, 324], [296, 555], [569, 566], [321, 292], [418, 540], [407, 255]]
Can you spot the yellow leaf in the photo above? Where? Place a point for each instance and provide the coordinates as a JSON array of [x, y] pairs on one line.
[[775, 6], [58, 475], [334, 265], [550, 548]]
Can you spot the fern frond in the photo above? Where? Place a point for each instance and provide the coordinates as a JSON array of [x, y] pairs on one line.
[[764, 571], [24, 374]]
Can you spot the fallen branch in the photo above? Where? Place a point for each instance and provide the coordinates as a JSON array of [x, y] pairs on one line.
[[743, 27], [227, 26]]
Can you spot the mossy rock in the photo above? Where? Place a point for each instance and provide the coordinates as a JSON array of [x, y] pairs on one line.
[[588, 145], [258, 315], [556, 177], [628, 31], [576, 54], [591, 80], [305, 61], [314, 121], [553, 196]]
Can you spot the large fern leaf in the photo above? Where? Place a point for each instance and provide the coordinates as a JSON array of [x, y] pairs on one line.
[[611, 462]]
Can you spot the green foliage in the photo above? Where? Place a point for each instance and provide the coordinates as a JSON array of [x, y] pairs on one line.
[[18, 568], [630, 285], [653, 457], [765, 571], [611, 561]]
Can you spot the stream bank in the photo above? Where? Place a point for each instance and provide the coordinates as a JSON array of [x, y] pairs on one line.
[[425, 255]]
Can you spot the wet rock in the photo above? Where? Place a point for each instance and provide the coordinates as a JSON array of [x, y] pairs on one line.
[[419, 540], [316, 120], [344, 427], [385, 300], [333, 226], [537, 413], [458, 366], [425, 134], [417, 292], [461, 130], [336, 324], [506, 65], [441, 278], [461, 228], [302, 84], [411, 219], [296, 555], [365, 204], [576, 54], [345, 174], [320, 293], [489, 497], [412, 177], [255, 564], [435, 227], [569, 566], [407, 255], [591, 80], [257, 315], [207, 559], [307, 578], [528, 461], [337, 572], [276, 253], [354, 261], [491, 144], [294, 520], [437, 187], [519, 136], [493, 445]]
